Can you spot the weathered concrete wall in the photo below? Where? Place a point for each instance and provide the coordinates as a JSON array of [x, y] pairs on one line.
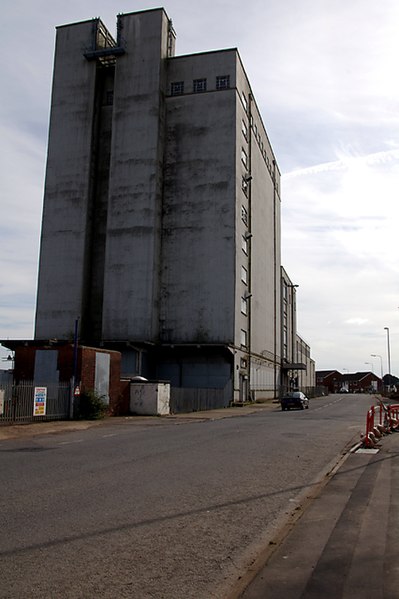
[[132, 261], [265, 254], [258, 217], [199, 205], [67, 188]]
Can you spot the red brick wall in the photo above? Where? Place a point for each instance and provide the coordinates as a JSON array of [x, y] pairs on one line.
[[24, 363], [87, 362], [65, 362]]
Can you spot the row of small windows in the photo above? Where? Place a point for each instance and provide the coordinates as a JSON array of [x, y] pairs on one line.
[[245, 220], [244, 240], [244, 300], [199, 85], [257, 135]]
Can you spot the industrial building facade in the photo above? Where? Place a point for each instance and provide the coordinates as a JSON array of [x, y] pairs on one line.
[[161, 220]]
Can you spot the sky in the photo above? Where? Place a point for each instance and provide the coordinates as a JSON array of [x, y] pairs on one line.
[[324, 76]]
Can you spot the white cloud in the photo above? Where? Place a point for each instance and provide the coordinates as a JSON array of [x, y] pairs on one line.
[[357, 321], [340, 243]]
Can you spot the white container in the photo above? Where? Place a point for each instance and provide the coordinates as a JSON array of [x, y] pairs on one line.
[[150, 399]]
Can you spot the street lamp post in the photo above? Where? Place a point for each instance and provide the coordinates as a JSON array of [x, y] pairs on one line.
[[388, 350], [380, 357], [370, 364]]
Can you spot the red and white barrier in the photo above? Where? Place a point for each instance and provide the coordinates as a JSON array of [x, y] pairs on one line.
[[380, 420]]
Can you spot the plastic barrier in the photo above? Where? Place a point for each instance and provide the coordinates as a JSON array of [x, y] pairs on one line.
[[380, 420], [393, 412]]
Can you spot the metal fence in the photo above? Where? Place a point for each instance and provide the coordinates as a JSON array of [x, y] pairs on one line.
[[27, 402], [184, 400]]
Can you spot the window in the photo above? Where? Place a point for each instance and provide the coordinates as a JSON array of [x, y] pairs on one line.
[[285, 343], [244, 244], [244, 306], [244, 157], [244, 185], [244, 130], [244, 215], [199, 85], [243, 338], [223, 82], [244, 101], [244, 274], [177, 88]]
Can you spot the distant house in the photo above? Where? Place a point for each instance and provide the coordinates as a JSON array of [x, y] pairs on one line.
[[357, 382], [361, 382], [330, 379], [391, 381]]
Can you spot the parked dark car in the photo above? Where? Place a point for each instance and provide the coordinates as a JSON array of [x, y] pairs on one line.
[[294, 399]]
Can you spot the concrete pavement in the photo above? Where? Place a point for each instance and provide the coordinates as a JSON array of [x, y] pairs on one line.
[[346, 544]]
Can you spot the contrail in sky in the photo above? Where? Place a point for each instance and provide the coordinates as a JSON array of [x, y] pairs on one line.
[[369, 159]]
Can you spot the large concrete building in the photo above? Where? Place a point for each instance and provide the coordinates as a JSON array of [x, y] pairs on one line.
[[161, 221]]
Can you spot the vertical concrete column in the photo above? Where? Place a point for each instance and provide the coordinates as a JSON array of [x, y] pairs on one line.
[[67, 186], [132, 259]]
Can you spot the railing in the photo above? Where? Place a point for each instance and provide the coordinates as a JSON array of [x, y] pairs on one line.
[[22, 403], [196, 399]]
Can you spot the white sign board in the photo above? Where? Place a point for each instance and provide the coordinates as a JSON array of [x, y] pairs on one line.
[[39, 403]]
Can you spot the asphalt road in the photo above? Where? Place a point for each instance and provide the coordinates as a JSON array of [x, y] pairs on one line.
[[175, 511]]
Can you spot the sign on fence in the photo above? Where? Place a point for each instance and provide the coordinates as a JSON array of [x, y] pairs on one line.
[[39, 404], [1, 402]]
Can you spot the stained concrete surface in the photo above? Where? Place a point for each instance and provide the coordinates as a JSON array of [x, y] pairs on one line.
[[346, 544]]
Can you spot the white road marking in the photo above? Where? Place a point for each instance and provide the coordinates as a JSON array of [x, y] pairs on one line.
[[70, 442]]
